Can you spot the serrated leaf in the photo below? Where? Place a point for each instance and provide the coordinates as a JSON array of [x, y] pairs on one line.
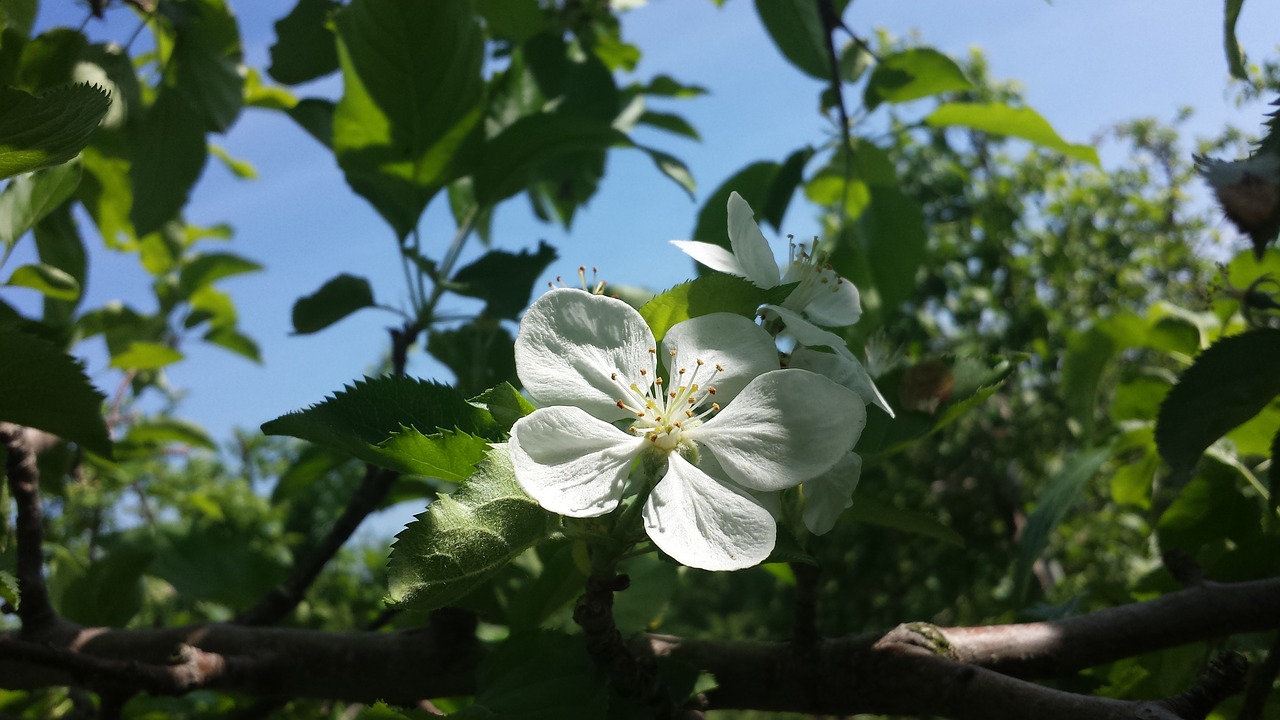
[[911, 75], [47, 280], [465, 537], [796, 28], [504, 403], [401, 423], [412, 90], [42, 132], [44, 388], [205, 269], [143, 355], [873, 512], [706, 295], [305, 46], [998, 119], [169, 155], [335, 300], [1228, 384], [1052, 507], [28, 199]]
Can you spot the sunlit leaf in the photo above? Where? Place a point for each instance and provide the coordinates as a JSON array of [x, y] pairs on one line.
[[27, 199], [913, 74], [143, 355], [1023, 123], [47, 280], [49, 130], [706, 295]]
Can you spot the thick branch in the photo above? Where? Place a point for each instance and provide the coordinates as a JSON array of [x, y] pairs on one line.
[[34, 610]]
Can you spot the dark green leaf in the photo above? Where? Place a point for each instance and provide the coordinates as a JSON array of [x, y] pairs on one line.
[[49, 60], [309, 465], [873, 512], [783, 187], [706, 295], [1228, 384], [1063, 492], [218, 562], [169, 155], [481, 354], [892, 229], [46, 131], [205, 60], [59, 244], [1087, 356], [515, 20], [335, 300], [411, 101], [315, 115], [44, 388], [755, 184], [109, 592], [504, 403], [231, 339], [670, 122], [206, 269], [913, 74], [539, 676], [27, 199], [1235, 55], [1024, 123], [667, 86], [305, 47], [465, 537], [398, 422], [47, 280], [504, 280], [1210, 509], [796, 28], [510, 160], [673, 167]]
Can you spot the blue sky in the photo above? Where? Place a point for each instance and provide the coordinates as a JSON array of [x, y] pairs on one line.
[[1085, 64]]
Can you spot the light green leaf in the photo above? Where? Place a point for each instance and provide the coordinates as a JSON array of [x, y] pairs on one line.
[[43, 387], [142, 355], [873, 512], [1228, 384], [158, 431], [465, 537], [9, 589], [401, 423], [796, 28], [305, 47], [42, 132], [237, 342], [335, 300], [913, 74], [1063, 492], [998, 119], [47, 280], [203, 270], [706, 295], [242, 169], [1235, 54], [28, 199], [411, 102]]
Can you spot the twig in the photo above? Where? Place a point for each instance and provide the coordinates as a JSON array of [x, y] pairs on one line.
[[35, 610], [805, 632]]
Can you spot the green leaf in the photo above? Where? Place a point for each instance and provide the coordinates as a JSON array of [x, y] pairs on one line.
[[706, 295], [47, 280], [670, 122], [315, 115], [335, 300], [143, 355], [873, 512], [539, 675], [305, 47], [242, 169], [892, 230], [1088, 353], [110, 591], [998, 119], [504, 280], [1228, 384], [1235, 55], [796, 28], [405, 424], [169, 156], [218, 562], [203, 270], [59, 245], [412, 90], [911, 75], [667, 86], [231, 339], [504, 403], [29, 198], [1210, 509], [673, 167], [515, 20], [205, 61], [766, 186], [481, 353], [147, 436], [9, 588], [49, 60], [465, 537], [510, 160], [42, 132], [44, 388]]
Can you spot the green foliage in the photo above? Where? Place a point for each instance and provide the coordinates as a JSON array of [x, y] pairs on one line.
[[503, 279], [796, 27], [1023, 123], [706, 295], [42, 387], [336, 299], [465, 537], [49, 130], [29, 199], [913, 74]]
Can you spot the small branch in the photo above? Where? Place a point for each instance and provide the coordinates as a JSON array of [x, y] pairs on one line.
[[35, 610], [805, 632], [1260, 682], [287, 595], [630, 677]]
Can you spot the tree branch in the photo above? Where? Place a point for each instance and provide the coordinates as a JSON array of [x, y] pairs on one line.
[[35, 610]]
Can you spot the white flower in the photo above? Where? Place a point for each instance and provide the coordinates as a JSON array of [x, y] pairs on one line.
[[840, 364], [830, 494], [592, 362], [822, 296]]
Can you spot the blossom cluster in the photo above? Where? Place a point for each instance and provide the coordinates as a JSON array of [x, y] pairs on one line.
[[706, 428]]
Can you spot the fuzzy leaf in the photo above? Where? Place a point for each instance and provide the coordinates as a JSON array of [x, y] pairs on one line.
[[465, 537]]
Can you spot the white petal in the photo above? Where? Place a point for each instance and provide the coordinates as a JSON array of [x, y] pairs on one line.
[[569, 344], [713, 256], [570, 462], [835, 303], [830, 494], [749, 245], [706, 524], [844, 369], [785, 427], [733, 342], [850, 373], [805, 332]]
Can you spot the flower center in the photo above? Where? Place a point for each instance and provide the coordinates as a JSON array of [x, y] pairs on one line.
[[663, 414], [813, 273]]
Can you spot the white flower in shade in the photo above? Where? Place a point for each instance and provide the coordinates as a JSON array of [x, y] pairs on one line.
[[830, 494], [840, 365], [822, 296], [594, 365]]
